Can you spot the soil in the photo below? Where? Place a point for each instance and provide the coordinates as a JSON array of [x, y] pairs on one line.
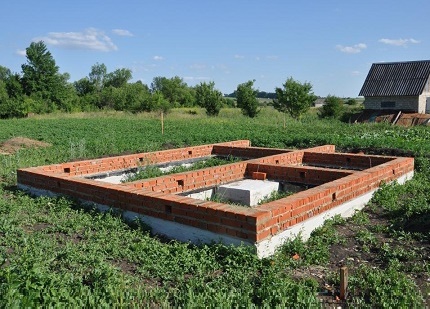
[[15, 144], [352, 253]]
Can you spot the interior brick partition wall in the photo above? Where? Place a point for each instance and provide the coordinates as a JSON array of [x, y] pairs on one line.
[[336, 177]]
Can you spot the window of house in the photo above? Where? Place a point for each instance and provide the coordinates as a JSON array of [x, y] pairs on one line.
[[388, 104]]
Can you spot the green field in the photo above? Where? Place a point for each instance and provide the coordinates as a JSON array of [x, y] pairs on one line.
[[53, 252]]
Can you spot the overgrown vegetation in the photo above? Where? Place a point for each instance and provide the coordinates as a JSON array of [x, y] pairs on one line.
[[333, 107], [54, 253], [209, 98], [294, 98], [41, 88], [246, 97]]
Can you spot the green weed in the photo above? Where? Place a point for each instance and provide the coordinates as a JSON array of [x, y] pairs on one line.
[[56, 253]]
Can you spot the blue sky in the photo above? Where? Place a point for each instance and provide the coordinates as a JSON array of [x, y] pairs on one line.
[[329, 43]]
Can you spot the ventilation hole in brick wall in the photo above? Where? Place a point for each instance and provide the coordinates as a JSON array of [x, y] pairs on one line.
[[394, 172], [67, 170], [140, 159], [276, 161], [190, 152], [333, 196], [302, 174], [180, 182], [168, 209]]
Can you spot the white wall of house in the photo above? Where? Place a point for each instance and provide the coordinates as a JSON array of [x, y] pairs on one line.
[[406, 103], [425, 98]]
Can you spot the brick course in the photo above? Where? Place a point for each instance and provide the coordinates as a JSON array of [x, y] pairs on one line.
[[336, 177]]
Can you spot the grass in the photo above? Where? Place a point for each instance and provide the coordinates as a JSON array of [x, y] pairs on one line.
[[151, 171], [54, 252]]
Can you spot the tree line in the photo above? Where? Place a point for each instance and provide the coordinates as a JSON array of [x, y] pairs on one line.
[[41, 88]]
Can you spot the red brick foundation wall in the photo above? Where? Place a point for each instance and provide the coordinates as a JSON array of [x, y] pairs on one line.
[[156, 197]]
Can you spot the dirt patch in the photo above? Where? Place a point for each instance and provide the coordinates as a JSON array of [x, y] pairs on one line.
[[368, 248], [15, 144], [126, 266]]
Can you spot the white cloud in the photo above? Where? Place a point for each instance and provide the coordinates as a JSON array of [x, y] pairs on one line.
[[221, 67], [272, 57], [355, 73], [239, 56], [351, 49], [21, 52], [122, 32], [158, 58], [196, 78], [398, 42], [91, 38], [198, 66], [143, 67]]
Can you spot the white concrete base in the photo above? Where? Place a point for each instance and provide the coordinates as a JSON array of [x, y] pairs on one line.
[[248, 191], [268, 247], [181, 232], [170, 229], [116, 179], [204, 195]]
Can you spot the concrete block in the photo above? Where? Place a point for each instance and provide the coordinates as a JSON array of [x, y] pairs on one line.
[[248, 191]]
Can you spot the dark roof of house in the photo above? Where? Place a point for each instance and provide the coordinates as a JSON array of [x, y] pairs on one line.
[[319, 101], [396, 79]]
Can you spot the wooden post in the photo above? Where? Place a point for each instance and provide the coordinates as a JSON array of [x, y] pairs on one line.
[[343, 282], [162, 123]]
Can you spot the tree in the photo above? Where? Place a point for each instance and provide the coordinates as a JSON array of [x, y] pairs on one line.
[[174, 90], [41, 78], [12, 82], [118, 78], [351, 101], [84, 86], [97, 75], [332, 108], [4, 73], [246, 97], [138, 97], [133, 97], [294, 98], [209, 98], [10, 106], [159, 103]]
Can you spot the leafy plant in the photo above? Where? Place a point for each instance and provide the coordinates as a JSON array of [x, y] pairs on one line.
[[56, 253], [246, 97], [332, 108], [275, 195], [294, 98]]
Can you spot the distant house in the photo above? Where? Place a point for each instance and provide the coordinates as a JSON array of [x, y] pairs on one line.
[[319, 102], [403, 86]]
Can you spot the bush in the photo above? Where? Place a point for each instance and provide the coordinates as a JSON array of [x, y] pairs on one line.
[[333, 108], [209, 98], [247, 99], [351, 102]]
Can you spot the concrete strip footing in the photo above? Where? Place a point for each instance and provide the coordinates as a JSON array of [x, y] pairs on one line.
[[337, 183]]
